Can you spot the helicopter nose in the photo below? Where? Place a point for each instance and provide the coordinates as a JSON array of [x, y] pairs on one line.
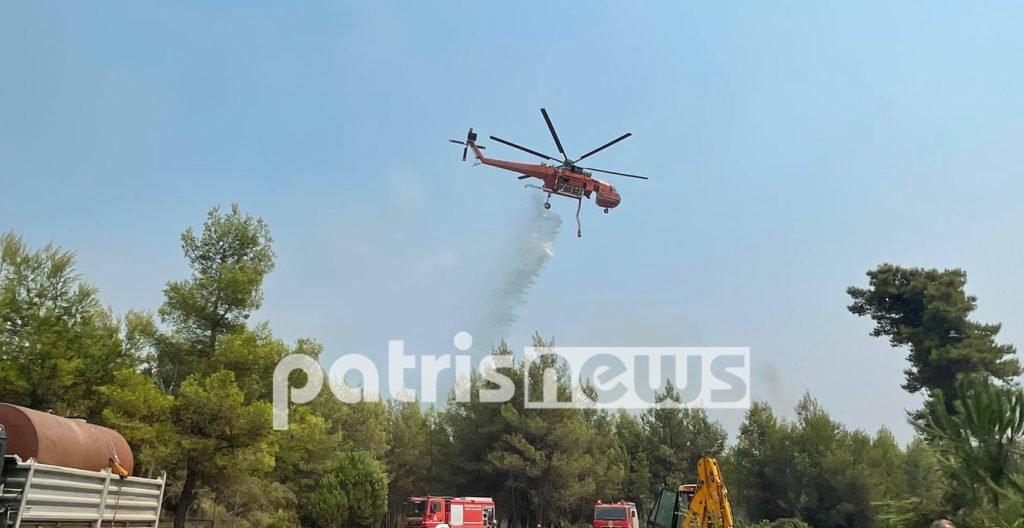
[[609, 201]]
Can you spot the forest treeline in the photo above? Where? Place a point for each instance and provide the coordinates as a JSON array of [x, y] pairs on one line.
[[189, 385]]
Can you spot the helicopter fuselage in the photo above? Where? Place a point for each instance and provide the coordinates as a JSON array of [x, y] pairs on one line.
[[559, 180]]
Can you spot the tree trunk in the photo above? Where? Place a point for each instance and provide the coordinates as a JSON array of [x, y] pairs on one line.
[[515, 518], [188, 495]]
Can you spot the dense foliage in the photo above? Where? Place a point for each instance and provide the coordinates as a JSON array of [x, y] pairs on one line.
[[353, 493], [926, 311], [189, 387]]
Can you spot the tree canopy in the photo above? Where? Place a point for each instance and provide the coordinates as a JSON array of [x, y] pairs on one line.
[[927, 311], [189, 387]]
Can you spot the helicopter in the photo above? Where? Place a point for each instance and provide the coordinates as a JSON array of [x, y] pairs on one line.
[[562, 178]]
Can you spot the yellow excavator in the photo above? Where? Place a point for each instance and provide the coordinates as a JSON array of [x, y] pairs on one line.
[[701, 505]]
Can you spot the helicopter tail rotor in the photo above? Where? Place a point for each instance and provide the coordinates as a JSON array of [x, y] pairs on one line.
[[470, 138]]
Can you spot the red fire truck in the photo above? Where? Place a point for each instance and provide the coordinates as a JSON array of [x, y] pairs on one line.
[[450, 512], [620, 514]]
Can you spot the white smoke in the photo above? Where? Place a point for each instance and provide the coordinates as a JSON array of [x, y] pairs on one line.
[[519, 269]]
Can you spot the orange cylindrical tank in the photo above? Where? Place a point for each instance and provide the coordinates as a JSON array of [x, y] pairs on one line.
[[69, 442]]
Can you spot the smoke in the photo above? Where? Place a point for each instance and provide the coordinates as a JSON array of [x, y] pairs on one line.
[[774, 388], [527, 257]]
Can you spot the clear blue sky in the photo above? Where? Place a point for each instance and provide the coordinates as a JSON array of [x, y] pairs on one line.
[[791, 147]]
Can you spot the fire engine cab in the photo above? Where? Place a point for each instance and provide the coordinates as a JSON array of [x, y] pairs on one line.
[[450, 512], [620, 514]]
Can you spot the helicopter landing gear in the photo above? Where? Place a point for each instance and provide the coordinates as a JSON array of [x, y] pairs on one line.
[[547, 202], [579, 227], [547, 205], [605, 210]]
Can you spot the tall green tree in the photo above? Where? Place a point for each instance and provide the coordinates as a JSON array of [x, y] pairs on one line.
[[229, 260], [57, 342], [636, 478], [833, 493], [462, 440], [540, 465], [213, 370], [886, 463], [812, 469], [763, 480], [927, 311], [547, 459], [676, 438], [409, 456], [545, 454], [611, 460]]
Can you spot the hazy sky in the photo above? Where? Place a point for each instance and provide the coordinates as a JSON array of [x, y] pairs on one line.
[[791, 147]]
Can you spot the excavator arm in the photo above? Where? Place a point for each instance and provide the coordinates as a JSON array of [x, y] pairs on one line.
[[701, 505], [710, 505]]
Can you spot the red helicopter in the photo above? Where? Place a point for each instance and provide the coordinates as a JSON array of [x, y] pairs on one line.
[[565, 178]]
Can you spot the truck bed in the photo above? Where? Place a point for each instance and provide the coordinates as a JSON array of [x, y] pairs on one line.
[[39, 495]]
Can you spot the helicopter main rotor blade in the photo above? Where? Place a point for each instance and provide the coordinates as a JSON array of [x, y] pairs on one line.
[[554, 134], [606, 145], [616, 173], [522, 148]]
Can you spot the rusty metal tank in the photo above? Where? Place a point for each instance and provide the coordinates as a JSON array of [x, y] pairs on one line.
[[68, 442]]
